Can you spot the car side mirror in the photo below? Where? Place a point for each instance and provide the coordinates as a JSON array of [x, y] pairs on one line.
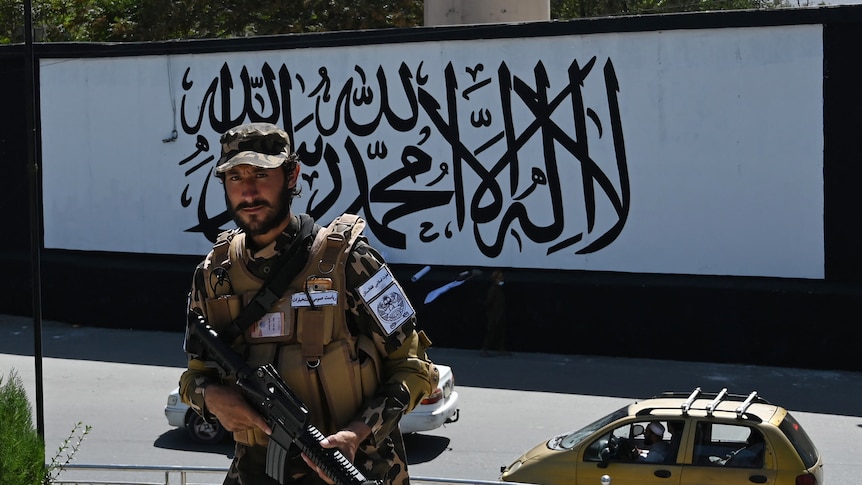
[[637, 430]]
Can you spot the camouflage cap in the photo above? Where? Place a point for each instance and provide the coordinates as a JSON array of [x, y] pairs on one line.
[[260, 144]]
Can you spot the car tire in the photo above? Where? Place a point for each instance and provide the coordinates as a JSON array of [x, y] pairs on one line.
[[200, 431]]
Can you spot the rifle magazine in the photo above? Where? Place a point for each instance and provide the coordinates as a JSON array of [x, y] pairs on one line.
[[276, 459]]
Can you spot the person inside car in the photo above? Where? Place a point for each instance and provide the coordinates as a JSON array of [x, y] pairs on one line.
[[658, 451], [749, 456]]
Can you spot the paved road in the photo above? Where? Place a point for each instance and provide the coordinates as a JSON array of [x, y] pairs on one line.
[[117, 381]]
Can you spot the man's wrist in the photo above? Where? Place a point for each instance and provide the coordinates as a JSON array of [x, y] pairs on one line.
[[201, 389]]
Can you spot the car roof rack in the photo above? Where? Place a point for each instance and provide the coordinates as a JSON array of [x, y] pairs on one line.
[[710, 408], [745, 404], [717, 398], [688, 402]]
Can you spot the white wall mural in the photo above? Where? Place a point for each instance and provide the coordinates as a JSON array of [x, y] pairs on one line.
[[685, 152]]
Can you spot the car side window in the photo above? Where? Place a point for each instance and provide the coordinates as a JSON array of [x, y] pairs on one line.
[[750, 455], [615, 442], [593, 452], [728, 445], [638, 442]]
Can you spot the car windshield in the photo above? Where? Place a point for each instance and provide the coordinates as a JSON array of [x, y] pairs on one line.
[[569, 440], [800, 440]]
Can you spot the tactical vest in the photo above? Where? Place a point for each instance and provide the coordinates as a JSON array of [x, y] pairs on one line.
[[330, 369]]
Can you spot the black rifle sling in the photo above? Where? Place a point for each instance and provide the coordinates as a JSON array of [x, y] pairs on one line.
[[289, 264]]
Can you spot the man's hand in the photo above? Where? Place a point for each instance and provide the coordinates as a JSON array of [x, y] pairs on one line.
[[232, 410], [347, 441]]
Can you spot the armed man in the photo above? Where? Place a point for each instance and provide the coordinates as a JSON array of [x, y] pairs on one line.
[[317, 304]]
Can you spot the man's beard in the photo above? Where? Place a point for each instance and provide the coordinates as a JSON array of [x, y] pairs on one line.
[[263, 226]]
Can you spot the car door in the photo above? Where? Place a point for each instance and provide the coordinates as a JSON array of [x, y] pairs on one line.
[[717, 452], [623, 471], [631, 474]]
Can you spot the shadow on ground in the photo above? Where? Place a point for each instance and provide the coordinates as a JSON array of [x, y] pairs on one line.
[[176, 439], [421, 448]]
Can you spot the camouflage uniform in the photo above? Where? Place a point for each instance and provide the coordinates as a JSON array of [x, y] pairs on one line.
[[407, 374]]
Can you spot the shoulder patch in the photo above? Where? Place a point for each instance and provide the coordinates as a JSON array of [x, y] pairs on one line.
[[385, 300]]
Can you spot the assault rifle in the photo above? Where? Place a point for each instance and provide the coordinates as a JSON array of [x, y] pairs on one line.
[[283, 411]]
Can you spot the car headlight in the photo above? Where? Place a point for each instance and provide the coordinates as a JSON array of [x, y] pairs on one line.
[[172, 400], [513, 467]]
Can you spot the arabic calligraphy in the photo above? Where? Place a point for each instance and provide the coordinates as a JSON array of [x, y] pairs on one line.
[[464, 151]]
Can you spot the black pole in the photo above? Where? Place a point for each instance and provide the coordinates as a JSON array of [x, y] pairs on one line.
[[35, 212]]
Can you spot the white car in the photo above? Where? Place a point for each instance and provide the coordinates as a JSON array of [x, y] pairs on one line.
[[181, 415], [439, 408]]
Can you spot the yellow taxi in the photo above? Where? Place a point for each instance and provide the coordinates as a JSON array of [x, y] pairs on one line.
[[695, 438]]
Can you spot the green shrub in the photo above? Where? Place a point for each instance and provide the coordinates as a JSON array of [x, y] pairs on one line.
[[22, 450], [21, 447]]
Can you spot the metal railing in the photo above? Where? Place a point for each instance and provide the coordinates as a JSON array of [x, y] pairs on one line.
[[189, 475], [73, 474]]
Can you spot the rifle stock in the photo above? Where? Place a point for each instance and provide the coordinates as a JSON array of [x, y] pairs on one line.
[[283, 411]]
